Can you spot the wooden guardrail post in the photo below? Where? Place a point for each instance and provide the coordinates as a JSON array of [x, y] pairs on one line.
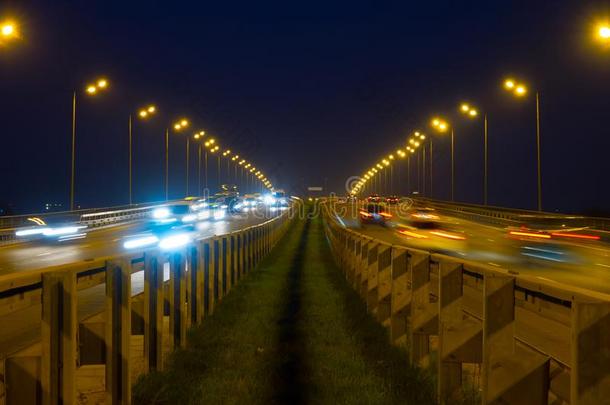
[[370, 291], [424, 315], [153, 311], [209, 298], [351, 272], [401, 296], [194, 284], [384, 285], [58, 337], [177, 302], [590, 374], [250, 250], [118, 331], [217, 269], [460, 336], [510, 374], [240, 255], [363, 262]]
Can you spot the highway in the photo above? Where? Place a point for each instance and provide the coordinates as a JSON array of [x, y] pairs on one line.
[[35, 255], [105, 242], [581, 263]]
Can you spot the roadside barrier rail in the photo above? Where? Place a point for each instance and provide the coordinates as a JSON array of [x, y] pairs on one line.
[[74, 350], [515, 339], [516, 217]]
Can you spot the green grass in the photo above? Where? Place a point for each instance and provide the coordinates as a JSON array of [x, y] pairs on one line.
[[291, 332]]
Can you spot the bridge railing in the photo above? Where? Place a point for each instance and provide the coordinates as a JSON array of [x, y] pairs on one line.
[[511, 216], [515, 339], [79, 349]]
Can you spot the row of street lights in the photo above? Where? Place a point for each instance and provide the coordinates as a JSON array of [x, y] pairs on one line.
[[601, 33], [442, 126], [144, 113]]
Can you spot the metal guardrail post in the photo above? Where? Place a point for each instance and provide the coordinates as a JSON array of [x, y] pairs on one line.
[[58, 337], [118, 331], [153, 311], [177, 299]]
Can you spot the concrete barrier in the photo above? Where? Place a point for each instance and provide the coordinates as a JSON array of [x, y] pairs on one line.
[[102, 354], [515, 339]]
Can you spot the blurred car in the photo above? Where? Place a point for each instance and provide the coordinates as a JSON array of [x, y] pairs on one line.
[[211, 208], [424, 218], [393, 199], [250, 201], [374, 213], [171, 213], [374, 198]]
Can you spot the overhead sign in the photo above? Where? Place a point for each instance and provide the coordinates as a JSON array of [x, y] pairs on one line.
[[314, 188]]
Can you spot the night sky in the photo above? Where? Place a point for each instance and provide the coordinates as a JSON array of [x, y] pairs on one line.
[[311, 92]]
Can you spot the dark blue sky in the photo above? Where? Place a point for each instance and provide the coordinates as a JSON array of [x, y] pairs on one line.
[[307, 90]]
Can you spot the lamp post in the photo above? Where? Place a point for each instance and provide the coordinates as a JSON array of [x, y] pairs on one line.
[[198, 136], [179, 126], [519, 90], [441, 126], [143, 113], [92, 89], [472, 113]]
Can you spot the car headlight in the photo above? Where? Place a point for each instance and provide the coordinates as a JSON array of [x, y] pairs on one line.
[[189, 218], [175, 241], [161, 213]]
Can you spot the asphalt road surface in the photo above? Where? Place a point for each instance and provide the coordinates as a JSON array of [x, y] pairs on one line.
[[581, 263]]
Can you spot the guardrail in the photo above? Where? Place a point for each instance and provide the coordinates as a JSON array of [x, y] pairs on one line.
[[514, 338], [511, 216], [109, 349]]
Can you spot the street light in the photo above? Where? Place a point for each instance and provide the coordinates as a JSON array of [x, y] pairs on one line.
[[519, 90], [198, 136], [471, 112], [92, 90], [8, 31], [179, 126], [143, 113], [442, 126]]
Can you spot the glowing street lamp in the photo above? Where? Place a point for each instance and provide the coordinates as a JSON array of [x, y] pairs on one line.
[[8, 29], [519, 90], [472, 113], [143, 113], [90, 89], [442, 126]]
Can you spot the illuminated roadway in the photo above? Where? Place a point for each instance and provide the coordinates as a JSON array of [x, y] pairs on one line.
[[584, 264], [29, 256]]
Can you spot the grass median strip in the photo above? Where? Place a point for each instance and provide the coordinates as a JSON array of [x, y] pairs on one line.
[[291, 332]]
